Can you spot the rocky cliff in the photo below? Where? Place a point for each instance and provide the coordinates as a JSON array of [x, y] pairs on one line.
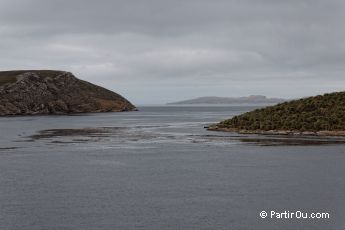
[[54, 92]]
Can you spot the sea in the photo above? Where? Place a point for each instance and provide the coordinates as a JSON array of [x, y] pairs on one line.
[[160, 169]]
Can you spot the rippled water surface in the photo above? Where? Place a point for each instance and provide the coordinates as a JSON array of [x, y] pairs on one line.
[[158, 168]]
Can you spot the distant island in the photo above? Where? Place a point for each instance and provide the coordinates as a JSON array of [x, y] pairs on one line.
[[253, 99], [322, 115], [29, 92]]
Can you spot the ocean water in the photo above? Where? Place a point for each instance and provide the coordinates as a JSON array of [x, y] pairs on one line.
[[159, 169]]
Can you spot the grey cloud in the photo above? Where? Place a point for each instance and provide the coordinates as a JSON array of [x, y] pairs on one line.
[[191, 47]]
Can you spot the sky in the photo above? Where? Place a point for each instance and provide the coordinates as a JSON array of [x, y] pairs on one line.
[[159, 51]]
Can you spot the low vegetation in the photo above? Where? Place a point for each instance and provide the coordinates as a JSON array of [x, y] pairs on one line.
[[326, 112], [11, 76]]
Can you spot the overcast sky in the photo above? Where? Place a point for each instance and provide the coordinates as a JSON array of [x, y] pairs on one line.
[[157, 51]]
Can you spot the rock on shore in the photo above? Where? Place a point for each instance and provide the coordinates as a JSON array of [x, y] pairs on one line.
[[54, 92]]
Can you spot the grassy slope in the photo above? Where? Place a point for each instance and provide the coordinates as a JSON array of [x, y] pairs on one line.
[[317, 113]]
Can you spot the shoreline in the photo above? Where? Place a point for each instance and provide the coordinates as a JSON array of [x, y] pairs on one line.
[[323, 133]]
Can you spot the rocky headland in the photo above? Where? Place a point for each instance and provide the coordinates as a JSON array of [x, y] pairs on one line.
[[30, 92]]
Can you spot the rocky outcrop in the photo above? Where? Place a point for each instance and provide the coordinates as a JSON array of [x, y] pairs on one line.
[[54, 92]]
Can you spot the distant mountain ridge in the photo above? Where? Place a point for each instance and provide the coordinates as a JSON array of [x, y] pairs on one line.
[[256, 99]]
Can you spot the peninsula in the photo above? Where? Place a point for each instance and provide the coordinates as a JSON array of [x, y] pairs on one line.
[[322, 115], [29, 92]]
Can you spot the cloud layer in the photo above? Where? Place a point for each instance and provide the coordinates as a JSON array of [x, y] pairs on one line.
[[155, 51]]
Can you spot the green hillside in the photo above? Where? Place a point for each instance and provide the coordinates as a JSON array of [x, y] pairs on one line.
[[326, 112]]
